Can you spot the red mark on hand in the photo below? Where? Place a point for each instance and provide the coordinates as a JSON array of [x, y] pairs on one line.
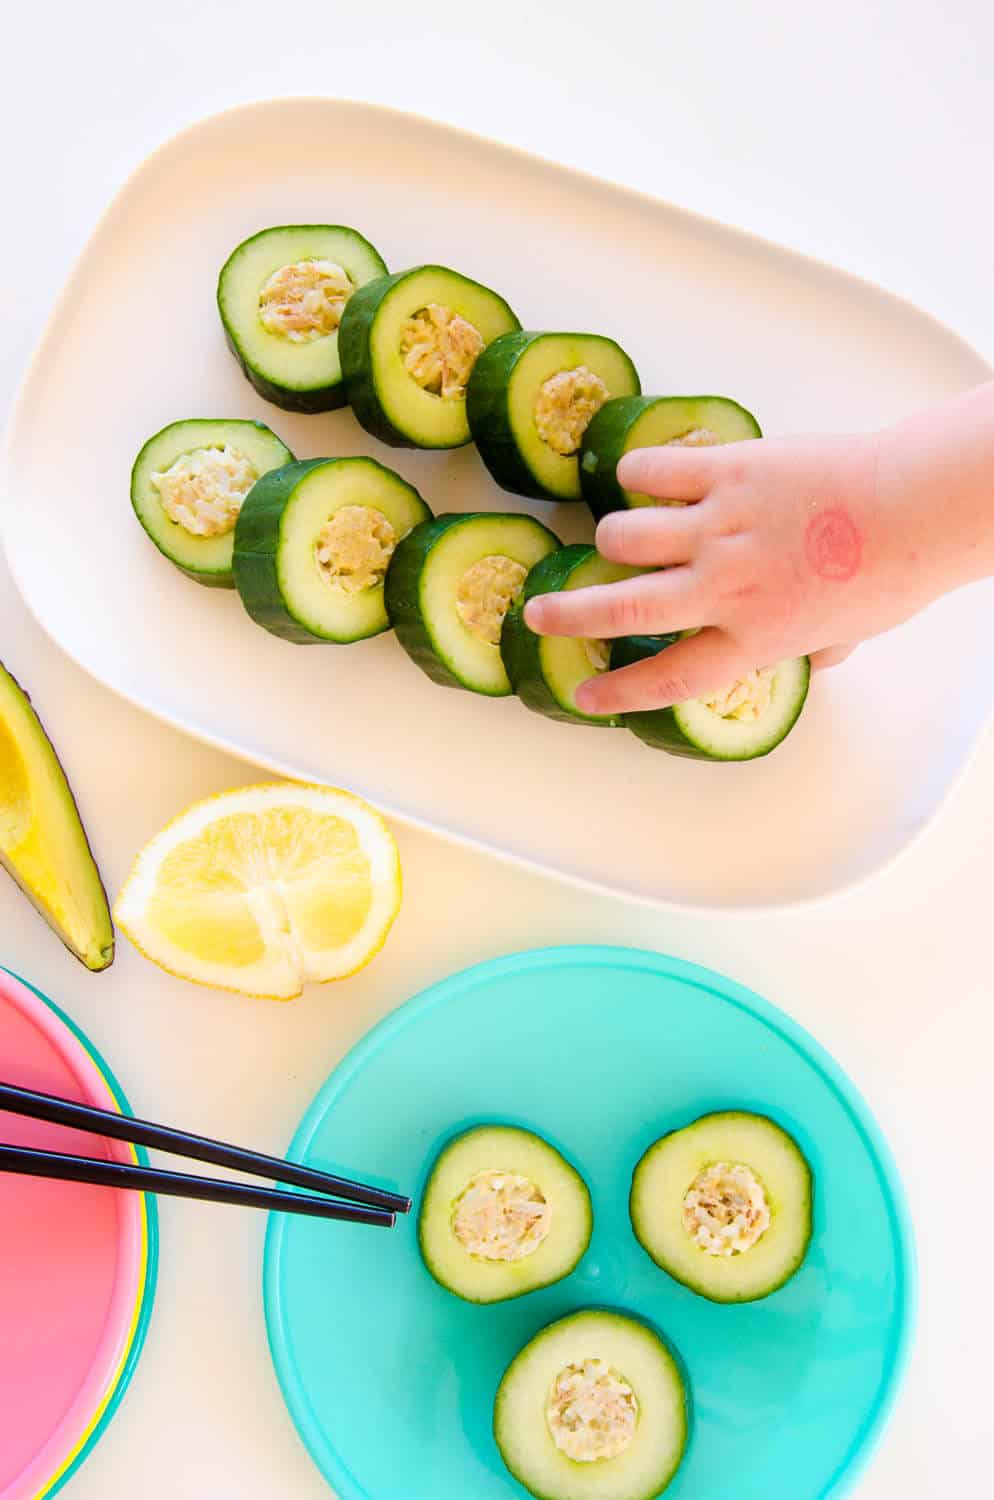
[[833, 545]]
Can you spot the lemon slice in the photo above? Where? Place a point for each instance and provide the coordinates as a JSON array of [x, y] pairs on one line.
[[264, 889]]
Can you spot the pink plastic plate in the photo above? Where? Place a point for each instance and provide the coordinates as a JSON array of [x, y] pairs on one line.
[[77, 1264]]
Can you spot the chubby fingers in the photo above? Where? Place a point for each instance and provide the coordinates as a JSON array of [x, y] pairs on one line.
[[651, 604], [691, 668], [831, 656], [669, 473], [651, 536]]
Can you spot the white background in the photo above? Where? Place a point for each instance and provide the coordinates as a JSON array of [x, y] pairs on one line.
[[861, 133]]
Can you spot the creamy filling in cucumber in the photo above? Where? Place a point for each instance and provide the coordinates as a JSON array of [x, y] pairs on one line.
[[726, 1211], [564, 406], [203, 490], [305, 300], [697, 437], [593, 1408], [501, 1216], [485, 593], [747, 699], [353, 549], [592, 1411], [439, 349]]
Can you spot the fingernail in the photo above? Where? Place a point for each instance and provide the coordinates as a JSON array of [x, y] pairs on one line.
[[533, 614], [586, 697]]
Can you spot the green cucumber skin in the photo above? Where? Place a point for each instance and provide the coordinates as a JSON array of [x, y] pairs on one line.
[[601, 449], [489, 417], [519, 645], [604, 445], [658, 727], [257, 534], [402, 596], [357, 368], [310, 403]]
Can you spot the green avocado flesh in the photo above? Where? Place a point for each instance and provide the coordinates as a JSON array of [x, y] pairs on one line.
[[505, 1151], [286, 521], [666, 1173], [504, 407], [298, 375], [384, 394], [525, 1416], [545, 671], [698, 731], [652, 422], [426, 591], [43, 845], [206, 559]]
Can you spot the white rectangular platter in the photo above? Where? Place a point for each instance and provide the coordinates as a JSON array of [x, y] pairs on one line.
[[135, 343]]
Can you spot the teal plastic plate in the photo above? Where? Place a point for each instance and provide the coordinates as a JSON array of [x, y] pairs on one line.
[[391, 1380]]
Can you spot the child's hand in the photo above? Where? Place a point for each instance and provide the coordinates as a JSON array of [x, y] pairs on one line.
[[794, 546]]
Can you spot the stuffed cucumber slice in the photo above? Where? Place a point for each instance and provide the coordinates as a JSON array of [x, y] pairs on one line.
[[530, 399], [281, 296], [188, 484], [503, 1214], [313, 543], [724, 1205], [408, 344], [593, 1408], [545, 671], [653, 422], [448, 588], [748, 719]]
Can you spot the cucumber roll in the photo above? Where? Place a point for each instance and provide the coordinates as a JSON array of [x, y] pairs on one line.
[[409, 343], [189, 483], [448, 588], [313, 543], [749, 718], [503, 1214], [530, 400], [545, 671], [653, 422], [724, 1206], [281, 296], [593, 1408]]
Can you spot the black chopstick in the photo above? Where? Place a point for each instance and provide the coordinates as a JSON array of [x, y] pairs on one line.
[[107, 1122], [117, 1174]]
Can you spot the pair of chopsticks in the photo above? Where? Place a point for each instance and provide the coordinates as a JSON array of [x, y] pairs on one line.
[[354, 1202]]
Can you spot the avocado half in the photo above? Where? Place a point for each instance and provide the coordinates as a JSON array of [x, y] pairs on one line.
[[43, 845]]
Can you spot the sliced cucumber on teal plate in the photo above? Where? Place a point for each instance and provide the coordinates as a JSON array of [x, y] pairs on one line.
[[600, 1053]]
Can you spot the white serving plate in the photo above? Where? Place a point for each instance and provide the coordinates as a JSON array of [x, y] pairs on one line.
[[134, 342]]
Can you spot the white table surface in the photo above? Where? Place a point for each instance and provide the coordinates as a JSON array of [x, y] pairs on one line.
[[859, 133]]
